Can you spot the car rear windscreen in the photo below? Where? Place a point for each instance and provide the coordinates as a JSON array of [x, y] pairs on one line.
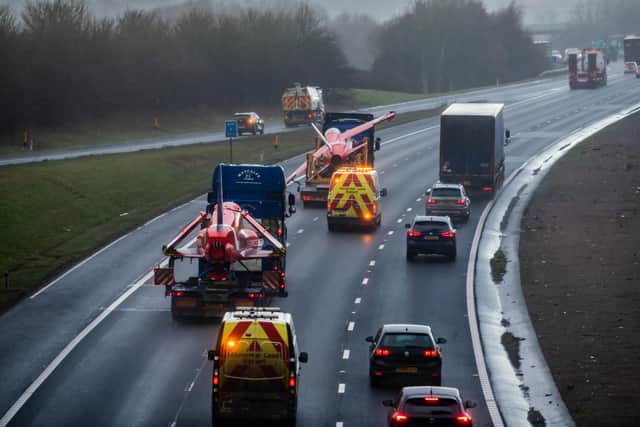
[[445, 192], [431, 226], [420, 406], [406, 340]]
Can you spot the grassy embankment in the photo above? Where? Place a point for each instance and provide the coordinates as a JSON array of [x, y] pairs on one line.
[[55, 213]]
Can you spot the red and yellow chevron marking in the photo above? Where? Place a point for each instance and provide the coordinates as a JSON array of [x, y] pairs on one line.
[[291, 102], [163, 276], [353, 193], [254, 349]]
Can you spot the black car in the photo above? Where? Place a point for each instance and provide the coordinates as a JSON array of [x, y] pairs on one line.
[[249, 123], [429, 406], [431, 235], [405, 352]]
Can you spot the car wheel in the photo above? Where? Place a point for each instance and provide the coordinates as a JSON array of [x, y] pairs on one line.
[[452, 257], [410, 256], [374, 381]]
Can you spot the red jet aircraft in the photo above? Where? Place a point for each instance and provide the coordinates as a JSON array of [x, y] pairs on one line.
[[338, 145], [226, 237]]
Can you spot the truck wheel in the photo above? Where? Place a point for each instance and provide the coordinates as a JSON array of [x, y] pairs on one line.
[[331, 227]]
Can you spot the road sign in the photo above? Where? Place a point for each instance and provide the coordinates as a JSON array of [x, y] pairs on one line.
[[231, 128]]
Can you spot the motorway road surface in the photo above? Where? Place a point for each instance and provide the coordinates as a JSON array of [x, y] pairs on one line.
[[516, 91], [139, 367]]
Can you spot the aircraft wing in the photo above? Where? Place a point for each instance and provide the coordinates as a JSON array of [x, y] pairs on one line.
[[279, 248], [255, 253], [302, 168], [350, 133]]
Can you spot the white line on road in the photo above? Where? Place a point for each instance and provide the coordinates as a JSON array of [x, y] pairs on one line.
[[372, 263], [409, 209], [419, 199], [35, 385], [351, 326], [345, 354], [341, 388], [390, 233], [399, 220], [365, 280], [339, 424], [315, 219], [357, 300], [301, 231], [288, 244], [381, 247]]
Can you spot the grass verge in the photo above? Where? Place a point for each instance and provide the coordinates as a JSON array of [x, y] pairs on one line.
[[56, 213]]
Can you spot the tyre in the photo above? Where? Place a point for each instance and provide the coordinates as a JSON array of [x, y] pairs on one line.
[[331, 227], [452, 256], [410, 256], [374, 381]]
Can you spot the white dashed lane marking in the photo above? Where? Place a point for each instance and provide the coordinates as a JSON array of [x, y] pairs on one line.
[[351, 326], [339, 424], [301, 231], [409, 209], [357, 300], [372, 263], [365, 280], [399, 220], [315, 219], [345, 354], [341, 388], [381, 247], [390, 233]]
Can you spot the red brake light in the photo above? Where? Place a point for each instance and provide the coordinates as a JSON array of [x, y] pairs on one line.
[[448, 234], [430, 353], [463, 419], [382, 352], [216, 378], [431, 201], [292, 382], [413, 233], [432, 399], [306, 198], [177, 293], [399, 417], [460, 202], [487, 188]]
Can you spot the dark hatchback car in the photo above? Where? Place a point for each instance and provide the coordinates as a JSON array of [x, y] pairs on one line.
[[405, 353], [429, 406], [431, 235], [448, 200], [249, 123]]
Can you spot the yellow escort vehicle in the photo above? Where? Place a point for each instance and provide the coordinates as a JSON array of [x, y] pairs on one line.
[[354, 198], [256, 366]]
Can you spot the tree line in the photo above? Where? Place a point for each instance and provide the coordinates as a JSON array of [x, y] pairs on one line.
[[442, 45], [60, 63]]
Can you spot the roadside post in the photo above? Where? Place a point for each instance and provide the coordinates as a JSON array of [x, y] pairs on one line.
[[6, 280], [275, 142], [231, 131]]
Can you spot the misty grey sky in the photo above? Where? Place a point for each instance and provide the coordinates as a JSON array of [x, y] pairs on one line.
[[536, 11]]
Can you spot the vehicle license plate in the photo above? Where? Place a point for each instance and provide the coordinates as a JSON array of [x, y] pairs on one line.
[[466, 183], [186, 303], [407, 370], [430, 237]]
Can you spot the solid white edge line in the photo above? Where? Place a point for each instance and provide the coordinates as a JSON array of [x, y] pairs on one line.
[[483, 375], [13, 410]]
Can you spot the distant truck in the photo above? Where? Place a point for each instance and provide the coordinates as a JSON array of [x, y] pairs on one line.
[[302, 105], [255, 199], [588, 69], [318, 178], [632, 49], [256, 368], [472, 139]]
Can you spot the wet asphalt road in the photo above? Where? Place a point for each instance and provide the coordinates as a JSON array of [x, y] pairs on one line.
[[139, 367]]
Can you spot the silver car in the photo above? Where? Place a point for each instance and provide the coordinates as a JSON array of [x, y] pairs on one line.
[[448, 200]]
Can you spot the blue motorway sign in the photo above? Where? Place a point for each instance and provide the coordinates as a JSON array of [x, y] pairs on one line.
[[231, 128]]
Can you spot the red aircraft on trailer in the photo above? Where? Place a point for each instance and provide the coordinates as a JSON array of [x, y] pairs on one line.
[[338, 145], [226, 237]]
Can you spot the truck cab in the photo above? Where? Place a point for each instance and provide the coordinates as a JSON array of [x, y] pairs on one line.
[[256, 367], [355, 198]]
